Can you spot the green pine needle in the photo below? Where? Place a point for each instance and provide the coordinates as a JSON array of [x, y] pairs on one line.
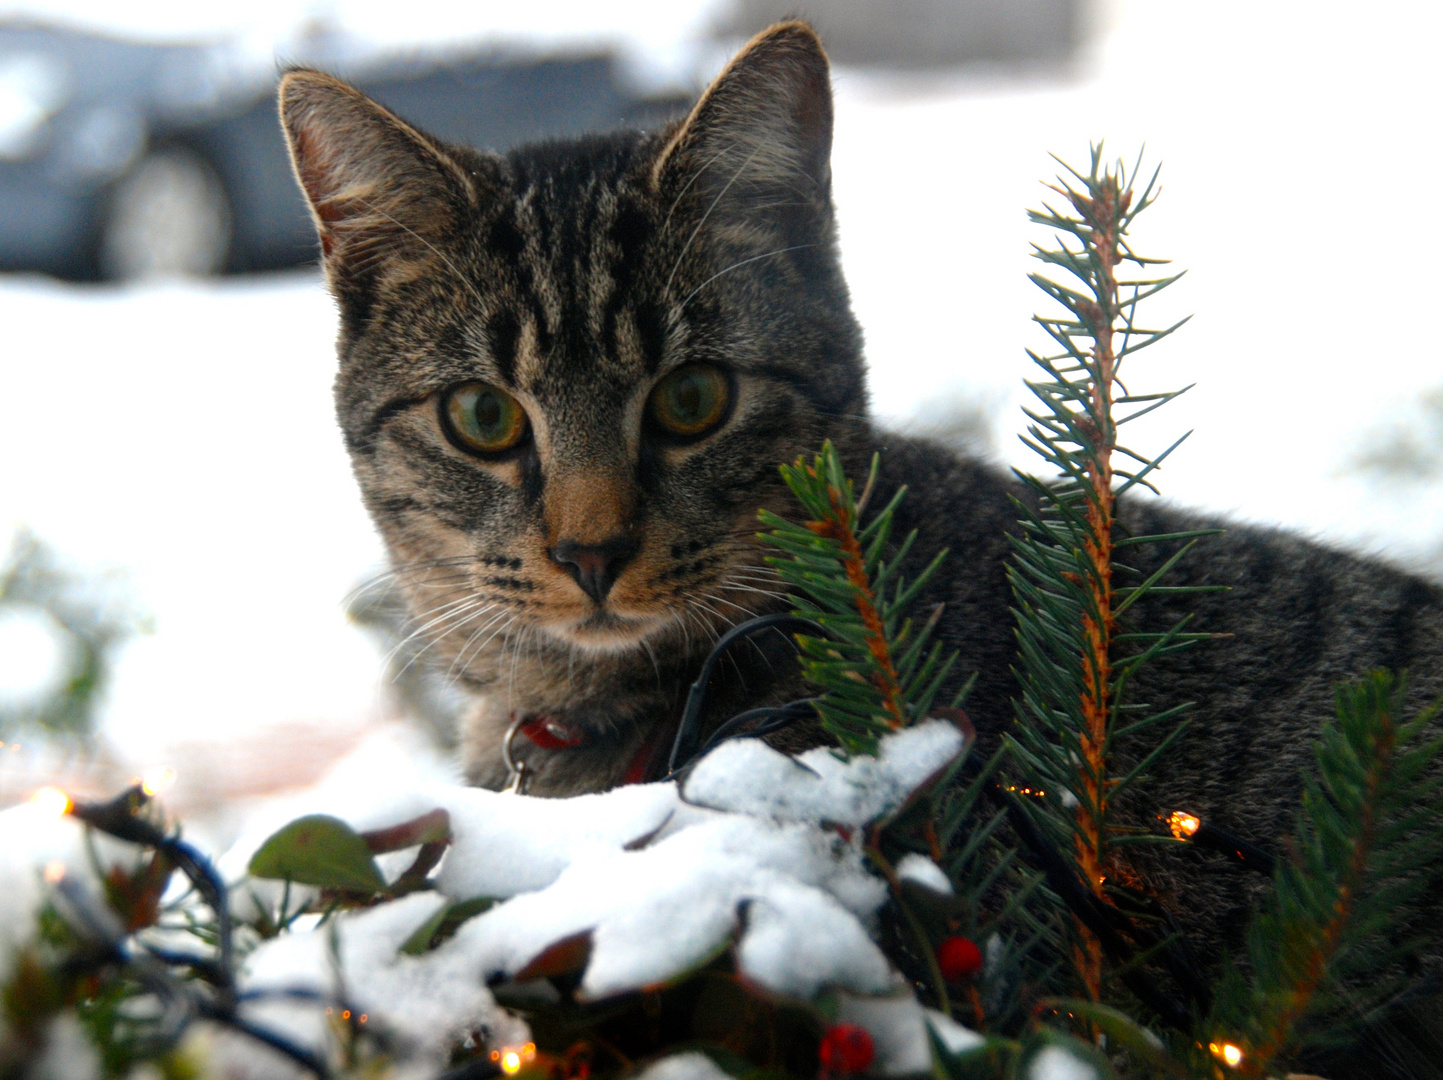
[[877, 672], [1075, 655], [1329, 949]]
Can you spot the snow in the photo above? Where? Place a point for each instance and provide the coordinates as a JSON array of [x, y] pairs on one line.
[[217, 482], [658, 885], [747, 776], [922, 870], [954, 1036], [693, 1065], [898, 1026], [424, 1003], [1055, 1063], [504, 845]]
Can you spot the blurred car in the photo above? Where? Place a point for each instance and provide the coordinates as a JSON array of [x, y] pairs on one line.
[[122, 159]]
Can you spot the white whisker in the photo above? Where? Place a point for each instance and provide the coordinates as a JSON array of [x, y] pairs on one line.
[[676, 311], [666, 290]]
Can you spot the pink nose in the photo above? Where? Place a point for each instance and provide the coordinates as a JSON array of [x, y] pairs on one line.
[[594, 566]]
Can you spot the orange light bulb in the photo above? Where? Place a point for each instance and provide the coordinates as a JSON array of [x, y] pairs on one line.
[[1182, 824]]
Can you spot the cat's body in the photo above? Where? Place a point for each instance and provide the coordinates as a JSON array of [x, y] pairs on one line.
[[581, 564]]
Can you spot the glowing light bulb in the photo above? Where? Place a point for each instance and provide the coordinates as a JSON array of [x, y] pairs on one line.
[[512, 1058], [52, 801], [54, 872], [156, 779], [1182, 824], [1231, 1055]]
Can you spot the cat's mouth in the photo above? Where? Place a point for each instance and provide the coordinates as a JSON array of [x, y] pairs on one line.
[[606, 631]]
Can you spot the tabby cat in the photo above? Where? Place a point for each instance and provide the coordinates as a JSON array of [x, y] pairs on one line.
[[568, 374]]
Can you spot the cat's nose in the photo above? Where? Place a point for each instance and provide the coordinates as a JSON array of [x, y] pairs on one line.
[[595, 566]]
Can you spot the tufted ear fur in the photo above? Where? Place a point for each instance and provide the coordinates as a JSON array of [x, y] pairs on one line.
[[757, 146], [379, 190]]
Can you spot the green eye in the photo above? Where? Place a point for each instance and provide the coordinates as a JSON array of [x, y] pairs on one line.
[[690, 400], [483, 418]]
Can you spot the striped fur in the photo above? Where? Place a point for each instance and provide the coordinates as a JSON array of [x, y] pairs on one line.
[[575, 275]]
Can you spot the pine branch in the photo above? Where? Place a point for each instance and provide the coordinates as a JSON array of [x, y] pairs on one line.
[[1075, 659], [876, 672], [1326, 950]]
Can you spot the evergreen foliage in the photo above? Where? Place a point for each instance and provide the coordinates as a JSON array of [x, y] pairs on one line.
[[1032, 909], [1328, 952], [875, 670], [1075, 657]]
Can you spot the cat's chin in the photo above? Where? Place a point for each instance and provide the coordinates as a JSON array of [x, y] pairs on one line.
[[607, 632]]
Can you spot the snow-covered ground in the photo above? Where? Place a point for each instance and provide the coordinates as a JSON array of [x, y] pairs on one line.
[[183, 432], [754, 850]]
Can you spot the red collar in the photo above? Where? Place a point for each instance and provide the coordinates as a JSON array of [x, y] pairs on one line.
[[549, 733]]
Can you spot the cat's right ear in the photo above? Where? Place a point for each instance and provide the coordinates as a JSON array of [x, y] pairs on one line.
[[758, 144], [380, 191]]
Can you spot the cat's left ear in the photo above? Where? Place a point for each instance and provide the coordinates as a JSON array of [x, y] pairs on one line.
[[378, 189], [760, 139]]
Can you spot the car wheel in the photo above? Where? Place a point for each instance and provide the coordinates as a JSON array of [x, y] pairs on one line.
[[168, 216]]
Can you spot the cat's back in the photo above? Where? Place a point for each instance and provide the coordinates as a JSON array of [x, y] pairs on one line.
[[1291, 619]]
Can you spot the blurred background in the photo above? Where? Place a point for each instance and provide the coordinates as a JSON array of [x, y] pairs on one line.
[[186, 544]]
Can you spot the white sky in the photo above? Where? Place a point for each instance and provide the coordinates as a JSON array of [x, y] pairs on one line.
[[184, 434]]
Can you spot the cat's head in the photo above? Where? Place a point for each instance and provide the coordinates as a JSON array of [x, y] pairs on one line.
[[568, 373]]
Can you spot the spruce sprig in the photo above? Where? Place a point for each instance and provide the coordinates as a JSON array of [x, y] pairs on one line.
[[1329, 949], [1074, 664], [876, 671]]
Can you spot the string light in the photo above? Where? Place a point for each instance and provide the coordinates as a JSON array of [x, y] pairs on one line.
[[156, 779], [512, 1059], [1035, 792], [1183, 825], [52, 801], [54, 872], [1229, 1054]]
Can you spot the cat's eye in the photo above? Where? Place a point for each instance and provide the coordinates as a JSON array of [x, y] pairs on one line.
[[483, 418], [690, 401]]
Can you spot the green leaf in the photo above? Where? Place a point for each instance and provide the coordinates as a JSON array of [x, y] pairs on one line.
[[420, 940], [319, 850]]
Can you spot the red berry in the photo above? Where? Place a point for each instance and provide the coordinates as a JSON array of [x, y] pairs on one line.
[[958, 958], [846, 1048]]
